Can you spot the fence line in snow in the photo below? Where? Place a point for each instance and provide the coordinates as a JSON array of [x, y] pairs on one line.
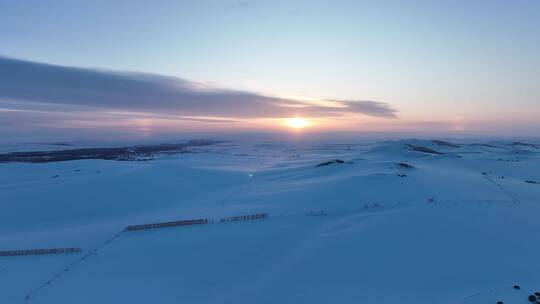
[[167, 224], [250, 217], [22, 252], [30, 294]]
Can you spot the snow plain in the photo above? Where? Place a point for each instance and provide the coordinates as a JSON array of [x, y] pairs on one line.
[[459, 227]]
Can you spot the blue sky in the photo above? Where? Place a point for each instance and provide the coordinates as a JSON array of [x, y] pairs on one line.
[[443, 65]]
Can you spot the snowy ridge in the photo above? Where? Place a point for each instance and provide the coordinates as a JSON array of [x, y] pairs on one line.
[[455, 227]]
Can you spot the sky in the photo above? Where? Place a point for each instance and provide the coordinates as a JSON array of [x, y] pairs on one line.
[[109, 70]]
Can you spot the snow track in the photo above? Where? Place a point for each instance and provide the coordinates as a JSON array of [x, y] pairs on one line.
[[69, 267]]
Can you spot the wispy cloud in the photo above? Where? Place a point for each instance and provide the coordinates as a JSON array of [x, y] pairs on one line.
[[241, 4], [29, 84]]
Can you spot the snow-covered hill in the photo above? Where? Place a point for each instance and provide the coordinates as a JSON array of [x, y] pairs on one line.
[[410, 221]]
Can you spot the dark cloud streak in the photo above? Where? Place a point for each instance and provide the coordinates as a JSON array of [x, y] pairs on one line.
[[24, 81]]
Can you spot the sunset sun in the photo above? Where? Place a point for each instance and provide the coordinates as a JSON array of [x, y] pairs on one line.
[[297, 123]]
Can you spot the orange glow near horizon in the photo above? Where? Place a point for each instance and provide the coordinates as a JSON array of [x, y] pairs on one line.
[[297, 123]]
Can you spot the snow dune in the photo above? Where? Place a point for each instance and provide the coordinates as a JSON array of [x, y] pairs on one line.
[[461, 226]]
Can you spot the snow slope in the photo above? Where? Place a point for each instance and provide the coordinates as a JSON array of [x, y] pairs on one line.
[[458, 227]]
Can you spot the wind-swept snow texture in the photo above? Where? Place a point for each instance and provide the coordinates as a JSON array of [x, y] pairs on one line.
[[458, 226]]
